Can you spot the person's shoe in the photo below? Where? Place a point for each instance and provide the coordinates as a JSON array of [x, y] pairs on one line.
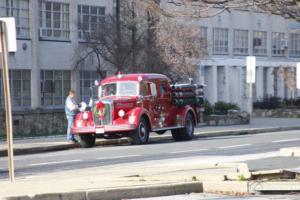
[[75, 141]]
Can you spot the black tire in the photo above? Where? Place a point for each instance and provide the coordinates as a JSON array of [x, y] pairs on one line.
[[186, 133], [87, 140], [141, 134]]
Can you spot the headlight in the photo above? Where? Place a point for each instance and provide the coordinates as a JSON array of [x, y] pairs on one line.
[[121, 113], [85, 116]]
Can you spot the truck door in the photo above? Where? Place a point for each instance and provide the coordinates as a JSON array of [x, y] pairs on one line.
[[165, 105], [149, 92]]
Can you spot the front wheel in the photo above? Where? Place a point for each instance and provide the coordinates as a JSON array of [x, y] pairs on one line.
[[186, 133], [87, 140], [141, 134]]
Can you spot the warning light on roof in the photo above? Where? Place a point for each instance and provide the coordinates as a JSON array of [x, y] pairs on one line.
[[119, 75]]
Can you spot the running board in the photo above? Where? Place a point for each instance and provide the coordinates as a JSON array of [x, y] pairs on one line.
[[167, 128]]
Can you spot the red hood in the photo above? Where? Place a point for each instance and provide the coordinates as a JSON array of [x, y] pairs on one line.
[[123, 102]]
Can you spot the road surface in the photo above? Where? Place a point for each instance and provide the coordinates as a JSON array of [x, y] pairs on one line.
[[260, 151]]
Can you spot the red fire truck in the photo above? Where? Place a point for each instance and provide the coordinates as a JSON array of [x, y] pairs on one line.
[[133, 105]]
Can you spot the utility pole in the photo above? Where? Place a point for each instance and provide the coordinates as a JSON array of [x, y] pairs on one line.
[[8, 43]]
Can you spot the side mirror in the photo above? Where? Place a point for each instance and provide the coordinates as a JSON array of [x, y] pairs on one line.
[[140, 99]]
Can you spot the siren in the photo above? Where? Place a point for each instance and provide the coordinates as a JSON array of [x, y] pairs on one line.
[[119, 75]]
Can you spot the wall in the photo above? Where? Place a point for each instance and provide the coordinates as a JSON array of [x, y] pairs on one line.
[[288, 113], [233, 118], [36, 123]]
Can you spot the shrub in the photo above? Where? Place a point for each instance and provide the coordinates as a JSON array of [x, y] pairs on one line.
[[208, 108], [221, 107], [268, 103]]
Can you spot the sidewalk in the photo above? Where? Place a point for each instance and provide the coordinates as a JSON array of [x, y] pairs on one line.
[[141, 179], [56, 143]]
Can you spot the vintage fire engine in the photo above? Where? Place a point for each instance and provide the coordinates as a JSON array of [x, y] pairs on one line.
[[133, 105]]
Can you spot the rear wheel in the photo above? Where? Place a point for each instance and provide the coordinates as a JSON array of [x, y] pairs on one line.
[[87, 140], [141, 134], [186, 133]]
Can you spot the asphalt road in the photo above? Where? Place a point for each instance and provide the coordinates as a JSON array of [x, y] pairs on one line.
[[251, 148], [203, 196]]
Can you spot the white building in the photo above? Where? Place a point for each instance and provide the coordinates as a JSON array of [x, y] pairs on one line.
[[42, 70], [231, 37]]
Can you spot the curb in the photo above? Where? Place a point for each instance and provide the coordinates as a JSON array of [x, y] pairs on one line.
[[120, 193], [59, 147]]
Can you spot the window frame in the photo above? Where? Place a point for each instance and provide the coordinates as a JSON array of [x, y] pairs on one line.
[[220, 44], [51, 96], [260, 51], [19, 9], [294, 45], [276, 39], [22, 97], [81, 34], [48, 31], [240, 42]]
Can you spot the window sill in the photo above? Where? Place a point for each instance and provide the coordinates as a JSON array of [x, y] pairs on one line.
[[279, 56], [260, 55], [54, 40], [224, 54], [20, 38], [241, 54]]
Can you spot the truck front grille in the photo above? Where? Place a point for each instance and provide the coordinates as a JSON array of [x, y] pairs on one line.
[[103, 116]]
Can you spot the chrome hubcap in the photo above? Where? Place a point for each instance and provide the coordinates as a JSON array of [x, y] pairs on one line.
[[142, 131], [189, 126]]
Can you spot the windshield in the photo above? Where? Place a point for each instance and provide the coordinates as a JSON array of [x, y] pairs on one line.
[[119, 89]]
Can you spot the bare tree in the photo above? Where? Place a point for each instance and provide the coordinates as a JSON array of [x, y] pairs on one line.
[[139, 40], [179, 44], [117, 41], [210, 8]]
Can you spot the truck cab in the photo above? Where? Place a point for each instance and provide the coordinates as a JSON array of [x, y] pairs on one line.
[[133, 105]]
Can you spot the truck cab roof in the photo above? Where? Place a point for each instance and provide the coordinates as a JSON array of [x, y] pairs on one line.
[[133, 77]]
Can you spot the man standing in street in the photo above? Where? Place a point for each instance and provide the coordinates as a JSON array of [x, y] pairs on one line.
[[71, 108]]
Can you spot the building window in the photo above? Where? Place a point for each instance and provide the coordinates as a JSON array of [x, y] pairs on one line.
[[87, 80], [279, 44], [294, 45], [203, 37], [54, 20], [220, 41], [260, 43], [19, 9], [240, 42], [55, 86], [90, 20], [20, 88]]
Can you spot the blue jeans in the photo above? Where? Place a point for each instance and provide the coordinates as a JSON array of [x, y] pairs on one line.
[[70, 119]]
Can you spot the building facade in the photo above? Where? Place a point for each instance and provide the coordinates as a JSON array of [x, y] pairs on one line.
[[230, 37], [49, 33]]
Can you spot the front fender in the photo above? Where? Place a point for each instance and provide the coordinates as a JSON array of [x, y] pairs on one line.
[[183, 111], [135, 115]]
